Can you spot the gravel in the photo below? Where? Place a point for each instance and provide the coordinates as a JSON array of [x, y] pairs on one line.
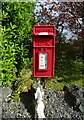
[[15, 110], [56, 106]]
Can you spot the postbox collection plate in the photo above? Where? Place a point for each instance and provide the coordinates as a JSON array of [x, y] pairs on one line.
[[44, 37], [43, 61]]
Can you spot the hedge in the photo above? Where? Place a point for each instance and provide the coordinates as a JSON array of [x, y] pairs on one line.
[[17, 22]]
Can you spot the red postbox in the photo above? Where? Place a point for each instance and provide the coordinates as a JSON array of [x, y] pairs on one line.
[[43, 50]]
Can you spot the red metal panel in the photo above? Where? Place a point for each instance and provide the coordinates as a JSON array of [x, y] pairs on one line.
[[37, 29], [43, 50]]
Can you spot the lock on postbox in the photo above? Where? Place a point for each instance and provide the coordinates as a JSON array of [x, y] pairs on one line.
[[43, 50]]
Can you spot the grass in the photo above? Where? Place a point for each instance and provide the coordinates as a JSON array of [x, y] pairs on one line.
[[67, 73]]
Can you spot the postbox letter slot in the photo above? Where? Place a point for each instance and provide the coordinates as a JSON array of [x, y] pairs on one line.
[[43, 33]]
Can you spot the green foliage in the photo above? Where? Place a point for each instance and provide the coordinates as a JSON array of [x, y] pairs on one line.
[[69, 67], [22, 83], [67, 72], [17, 22], [0, 45], [16, 63]]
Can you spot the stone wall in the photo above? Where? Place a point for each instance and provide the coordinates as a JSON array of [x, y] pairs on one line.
[[68, 103]]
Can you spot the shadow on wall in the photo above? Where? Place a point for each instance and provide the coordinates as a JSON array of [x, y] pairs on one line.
[[27, 98], [70, 96]]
